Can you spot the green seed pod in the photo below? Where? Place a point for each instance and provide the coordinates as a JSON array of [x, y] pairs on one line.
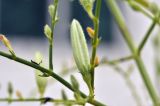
[[75, 83], [88, 6], [79, 46], [41, 81], [48, 32]]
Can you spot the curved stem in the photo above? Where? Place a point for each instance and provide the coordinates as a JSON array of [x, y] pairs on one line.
[[127, 36], [48, 72]]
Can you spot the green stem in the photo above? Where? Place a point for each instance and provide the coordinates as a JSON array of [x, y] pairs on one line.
[[95, 40], [50, 57], [73, 102], [48, 72], [116, 61], [53, 23], [127, 36], [147, 35]]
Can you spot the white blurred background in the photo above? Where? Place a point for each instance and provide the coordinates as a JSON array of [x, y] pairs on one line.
[[110, 88]]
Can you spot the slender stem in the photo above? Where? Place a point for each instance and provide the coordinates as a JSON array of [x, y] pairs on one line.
[[53, 23], [52, 74], [127, 36], [95, 39], [116, 61], [147, 35], [42, 100], [50, 57]]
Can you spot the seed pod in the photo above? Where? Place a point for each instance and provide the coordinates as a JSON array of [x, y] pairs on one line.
[[41, 81], [48, 32], [88, 6], [79, 46], [91, 32], [7, 44]]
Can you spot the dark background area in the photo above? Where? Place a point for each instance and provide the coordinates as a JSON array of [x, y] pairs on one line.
[[28, 17]]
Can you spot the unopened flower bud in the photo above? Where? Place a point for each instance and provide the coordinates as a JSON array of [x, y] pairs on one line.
[[88, 6], [41, 81], [51, 10], [10, 89], [91, 32], [96, 62], [19, 94], [75, 83], [48, 32], [7, 44]]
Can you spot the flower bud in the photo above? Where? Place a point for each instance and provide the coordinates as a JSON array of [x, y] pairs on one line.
[[19, 94], [96, 62], [75, 83], [80, 52], [91, 32], [79, 46], [135, 6], [7, 44], [51, 10], [41, 81], [48, 32], [88, 6], [10, 89], [144, 3]]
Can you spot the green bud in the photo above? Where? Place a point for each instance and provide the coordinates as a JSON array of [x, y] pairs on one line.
[[88, 6], [134, 5], [10, 89], [79, 46], [51, 10], [80, 52], [7, 43], [75, 83], [153, 7], [64, 95], [48, 32], [41, 81], [144, 3]]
